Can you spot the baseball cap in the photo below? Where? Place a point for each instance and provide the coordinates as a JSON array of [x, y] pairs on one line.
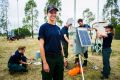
[[80, 20], [109, 26], [51, 7]]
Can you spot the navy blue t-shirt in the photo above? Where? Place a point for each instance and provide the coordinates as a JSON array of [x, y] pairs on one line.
[[85, 26], [64, 31], [52, 38], [15, 58], [107, 41]]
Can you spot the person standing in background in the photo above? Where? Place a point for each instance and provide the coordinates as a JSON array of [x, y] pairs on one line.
[[65, 40], [82, 25], [106, 50]]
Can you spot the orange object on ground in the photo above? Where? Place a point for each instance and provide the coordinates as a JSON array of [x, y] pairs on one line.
[[74, 71]]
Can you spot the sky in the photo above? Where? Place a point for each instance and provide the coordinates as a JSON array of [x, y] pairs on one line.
[[67, 10]]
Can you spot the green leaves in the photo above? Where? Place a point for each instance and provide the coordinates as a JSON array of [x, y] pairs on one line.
[[30, 5], [117, 32], [88, 15], [112, 14], [111, 11], [4, 14], [31, 14], [23, 32]]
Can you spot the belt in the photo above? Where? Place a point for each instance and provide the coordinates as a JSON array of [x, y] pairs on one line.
[[53, 54]]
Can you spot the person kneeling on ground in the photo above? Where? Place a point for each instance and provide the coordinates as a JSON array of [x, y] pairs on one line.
[[18, 62]]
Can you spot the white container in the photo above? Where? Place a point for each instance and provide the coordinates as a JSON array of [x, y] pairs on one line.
[[37, 55]]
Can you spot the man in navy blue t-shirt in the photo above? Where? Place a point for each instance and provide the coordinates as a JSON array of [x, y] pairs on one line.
[[82, 25], [51, 47], [65, 40]]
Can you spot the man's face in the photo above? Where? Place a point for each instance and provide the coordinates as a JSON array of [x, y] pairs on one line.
[[69, 25], [22, 51], [107, 29], [52, 15], [80, 23]]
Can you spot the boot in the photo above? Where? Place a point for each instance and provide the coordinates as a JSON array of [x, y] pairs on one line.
[[85, 63], [76, 60]]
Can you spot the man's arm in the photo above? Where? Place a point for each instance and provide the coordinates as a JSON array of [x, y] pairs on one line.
[[62, 51], [22, 62], [42, 53], [65, 59], [100, 34], [66, 38]]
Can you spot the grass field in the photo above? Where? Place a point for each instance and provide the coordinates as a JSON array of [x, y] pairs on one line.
[[8, 47]]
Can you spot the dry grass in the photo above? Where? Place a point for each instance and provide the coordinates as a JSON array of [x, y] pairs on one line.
[[7, 47]]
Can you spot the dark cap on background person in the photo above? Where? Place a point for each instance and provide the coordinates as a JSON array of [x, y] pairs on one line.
[[109, 26], [80, 20], [51, 7]]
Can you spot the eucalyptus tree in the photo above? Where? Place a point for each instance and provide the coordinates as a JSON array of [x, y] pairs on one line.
[[31, 14]]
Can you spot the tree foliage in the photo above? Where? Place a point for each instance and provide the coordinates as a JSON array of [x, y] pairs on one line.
[[88, 16], [117, 32], [4, 14], [22, 33], [3, 22], [31, 13], [111, 12]]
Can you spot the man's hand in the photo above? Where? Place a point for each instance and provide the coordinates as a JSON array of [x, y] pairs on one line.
[[29, 63], [31, 58], [89, 29], [95, 29], [65, 62], [70, 44], [46, 67]]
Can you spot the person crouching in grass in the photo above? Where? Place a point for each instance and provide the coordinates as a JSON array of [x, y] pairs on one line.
[[18, 61]]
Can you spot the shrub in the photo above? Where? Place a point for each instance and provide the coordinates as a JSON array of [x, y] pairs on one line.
[[117, 32], [22, 32]]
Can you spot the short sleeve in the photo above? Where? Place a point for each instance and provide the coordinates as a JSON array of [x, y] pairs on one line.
[[110, 35], [17, 56], [41, 33], [87, 26], [63, 31]]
